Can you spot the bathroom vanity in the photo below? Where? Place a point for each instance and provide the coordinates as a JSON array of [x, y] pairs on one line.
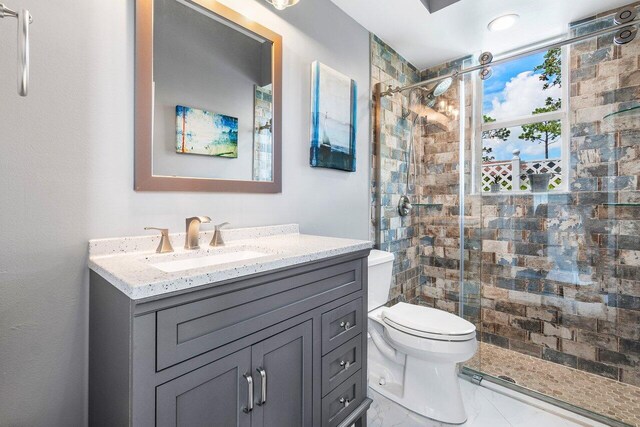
[[267, 330]]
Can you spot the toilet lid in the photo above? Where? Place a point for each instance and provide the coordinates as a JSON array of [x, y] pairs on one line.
[[428, 322]]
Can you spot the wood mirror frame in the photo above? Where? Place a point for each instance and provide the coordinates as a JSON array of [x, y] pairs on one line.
[[145, 180]]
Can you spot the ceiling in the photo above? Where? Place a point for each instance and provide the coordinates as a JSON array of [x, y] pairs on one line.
[[461, 29]]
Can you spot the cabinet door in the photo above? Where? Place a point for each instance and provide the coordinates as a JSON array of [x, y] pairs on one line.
[[214, 395], [282, 366]]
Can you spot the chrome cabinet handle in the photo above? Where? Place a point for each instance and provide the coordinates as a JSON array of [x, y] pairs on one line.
[[24, 20], [249, 406], [345, 401], [345, 365], [263, 386], [345, 325]]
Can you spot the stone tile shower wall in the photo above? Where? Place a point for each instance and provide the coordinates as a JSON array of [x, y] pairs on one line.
[[560, 273], [391, 231]]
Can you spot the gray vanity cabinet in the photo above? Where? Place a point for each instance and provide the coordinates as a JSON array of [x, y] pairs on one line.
[[217, 391], [222, 390], [285, 348], [283, 364]]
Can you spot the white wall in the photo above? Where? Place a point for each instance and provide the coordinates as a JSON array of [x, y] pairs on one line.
[[66, 176]]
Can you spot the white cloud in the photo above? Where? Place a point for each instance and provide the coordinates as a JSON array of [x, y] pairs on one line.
[[521, 95]]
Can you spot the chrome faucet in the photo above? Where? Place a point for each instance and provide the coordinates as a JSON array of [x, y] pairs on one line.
[[217, 235], [193, 231]]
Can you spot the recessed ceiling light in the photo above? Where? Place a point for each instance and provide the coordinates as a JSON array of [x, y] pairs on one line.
[[503, 22]]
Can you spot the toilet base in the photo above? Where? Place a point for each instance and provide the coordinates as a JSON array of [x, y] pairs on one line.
[[426, 388]]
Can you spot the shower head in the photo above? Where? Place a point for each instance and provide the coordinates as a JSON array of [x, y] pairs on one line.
[[416, 104], [442, 87], [431, 100], [421, 102]]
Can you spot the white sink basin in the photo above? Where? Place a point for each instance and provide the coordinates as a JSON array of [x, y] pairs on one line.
[[208, 261]]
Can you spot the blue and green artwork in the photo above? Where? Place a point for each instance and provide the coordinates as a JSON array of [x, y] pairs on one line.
[[206, 133], [333, 119]]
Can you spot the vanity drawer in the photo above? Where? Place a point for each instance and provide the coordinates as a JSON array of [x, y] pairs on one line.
[[338, 404], [341, 324], [191, 329], [338, 364]]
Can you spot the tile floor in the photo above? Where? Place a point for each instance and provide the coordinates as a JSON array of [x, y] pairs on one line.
[[595, 393], [485, 408]]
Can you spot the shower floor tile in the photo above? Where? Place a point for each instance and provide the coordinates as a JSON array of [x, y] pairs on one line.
[[592, 392], [485, 408]]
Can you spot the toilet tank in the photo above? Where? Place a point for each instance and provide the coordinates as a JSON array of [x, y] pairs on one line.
[[380, 269]]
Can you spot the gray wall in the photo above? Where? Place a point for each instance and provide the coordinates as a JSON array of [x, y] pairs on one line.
[[202, 63], [66, 176]]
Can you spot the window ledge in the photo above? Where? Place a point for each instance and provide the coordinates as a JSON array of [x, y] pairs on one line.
[[521, 193]]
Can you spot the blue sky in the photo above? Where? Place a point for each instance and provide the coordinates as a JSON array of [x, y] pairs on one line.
[[503, 73], [513, 91]]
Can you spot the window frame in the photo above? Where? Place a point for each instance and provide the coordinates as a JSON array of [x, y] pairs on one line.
[[562, 115]]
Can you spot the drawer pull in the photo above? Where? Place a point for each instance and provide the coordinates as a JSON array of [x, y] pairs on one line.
[[263, 386], [249, 406], [346, 325], [345, 365], [345, 402]]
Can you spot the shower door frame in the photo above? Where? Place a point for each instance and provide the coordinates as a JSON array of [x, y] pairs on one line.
[[477, 377]]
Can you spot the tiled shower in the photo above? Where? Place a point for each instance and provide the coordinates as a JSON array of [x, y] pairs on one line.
[[551, 279]]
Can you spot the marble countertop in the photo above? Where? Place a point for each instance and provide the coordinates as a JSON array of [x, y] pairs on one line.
[[128, 262]]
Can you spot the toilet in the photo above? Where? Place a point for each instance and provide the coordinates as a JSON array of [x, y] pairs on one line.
[[413, 351]]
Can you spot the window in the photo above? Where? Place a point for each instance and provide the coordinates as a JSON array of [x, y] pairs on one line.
[[524, 124]]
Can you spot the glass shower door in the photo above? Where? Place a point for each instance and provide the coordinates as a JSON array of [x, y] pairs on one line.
[[560, 263]]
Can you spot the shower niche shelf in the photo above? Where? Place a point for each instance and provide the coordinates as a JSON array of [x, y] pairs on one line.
[[626, 112], [428, 205]]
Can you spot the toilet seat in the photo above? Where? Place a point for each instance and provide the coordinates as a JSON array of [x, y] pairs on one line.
[[427, 322]]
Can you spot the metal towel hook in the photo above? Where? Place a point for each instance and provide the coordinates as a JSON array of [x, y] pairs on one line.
[[24, 20]]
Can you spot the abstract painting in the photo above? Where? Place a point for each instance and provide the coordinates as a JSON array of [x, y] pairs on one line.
[[202, 132], [333, 119]]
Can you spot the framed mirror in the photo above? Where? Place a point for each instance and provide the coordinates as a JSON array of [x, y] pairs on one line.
[[208, 99]]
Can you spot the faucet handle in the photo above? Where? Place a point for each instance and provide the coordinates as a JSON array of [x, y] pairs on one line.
[[165, 244], [217, 236]]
